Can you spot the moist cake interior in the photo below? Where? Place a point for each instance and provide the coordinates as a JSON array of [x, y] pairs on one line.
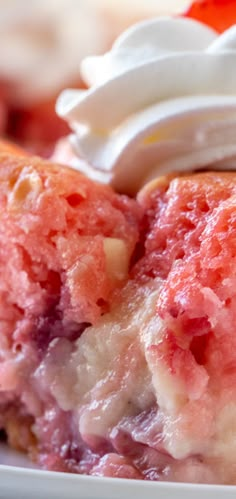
[[117, 348]]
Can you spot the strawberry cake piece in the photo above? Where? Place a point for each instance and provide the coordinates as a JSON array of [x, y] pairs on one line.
[[117, 345], [153, 382], [118, 358], [65, 248]]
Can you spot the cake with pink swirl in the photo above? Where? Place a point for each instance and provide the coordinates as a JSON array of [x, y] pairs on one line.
[[66, 245], [117, 313], [117, 323]]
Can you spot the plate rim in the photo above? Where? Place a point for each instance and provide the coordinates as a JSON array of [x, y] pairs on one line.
[[104, 484]]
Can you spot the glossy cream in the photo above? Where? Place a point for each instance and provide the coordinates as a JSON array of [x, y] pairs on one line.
[[163, 99]]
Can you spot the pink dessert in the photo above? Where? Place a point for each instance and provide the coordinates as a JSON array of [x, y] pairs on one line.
[[66, 245], [157, 393], [117, 315], [117, 362]]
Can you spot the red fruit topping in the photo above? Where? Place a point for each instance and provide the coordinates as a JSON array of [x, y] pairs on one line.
[[219, 14]]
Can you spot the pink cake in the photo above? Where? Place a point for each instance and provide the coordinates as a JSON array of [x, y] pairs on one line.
[[117, 362], [66, 245], [156, 398], [117, 315]]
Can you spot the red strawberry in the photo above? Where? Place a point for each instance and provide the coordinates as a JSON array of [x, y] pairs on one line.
[[219, 14]]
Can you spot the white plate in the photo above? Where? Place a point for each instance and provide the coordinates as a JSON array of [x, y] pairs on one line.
[[18, 480]]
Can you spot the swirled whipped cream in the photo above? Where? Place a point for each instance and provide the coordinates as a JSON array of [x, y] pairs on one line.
[[163, 99]]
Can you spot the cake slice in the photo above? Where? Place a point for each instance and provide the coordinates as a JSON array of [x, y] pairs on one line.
[[117, 345], [65, 247], [152, 384]]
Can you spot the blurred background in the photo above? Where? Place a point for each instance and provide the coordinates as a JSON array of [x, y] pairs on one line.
[[41, 45]]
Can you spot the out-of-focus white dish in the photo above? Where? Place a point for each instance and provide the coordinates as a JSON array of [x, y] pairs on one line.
[[19, 480]]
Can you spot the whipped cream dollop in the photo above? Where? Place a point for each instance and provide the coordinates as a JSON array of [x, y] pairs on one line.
[[163, 99], [42, 44]]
